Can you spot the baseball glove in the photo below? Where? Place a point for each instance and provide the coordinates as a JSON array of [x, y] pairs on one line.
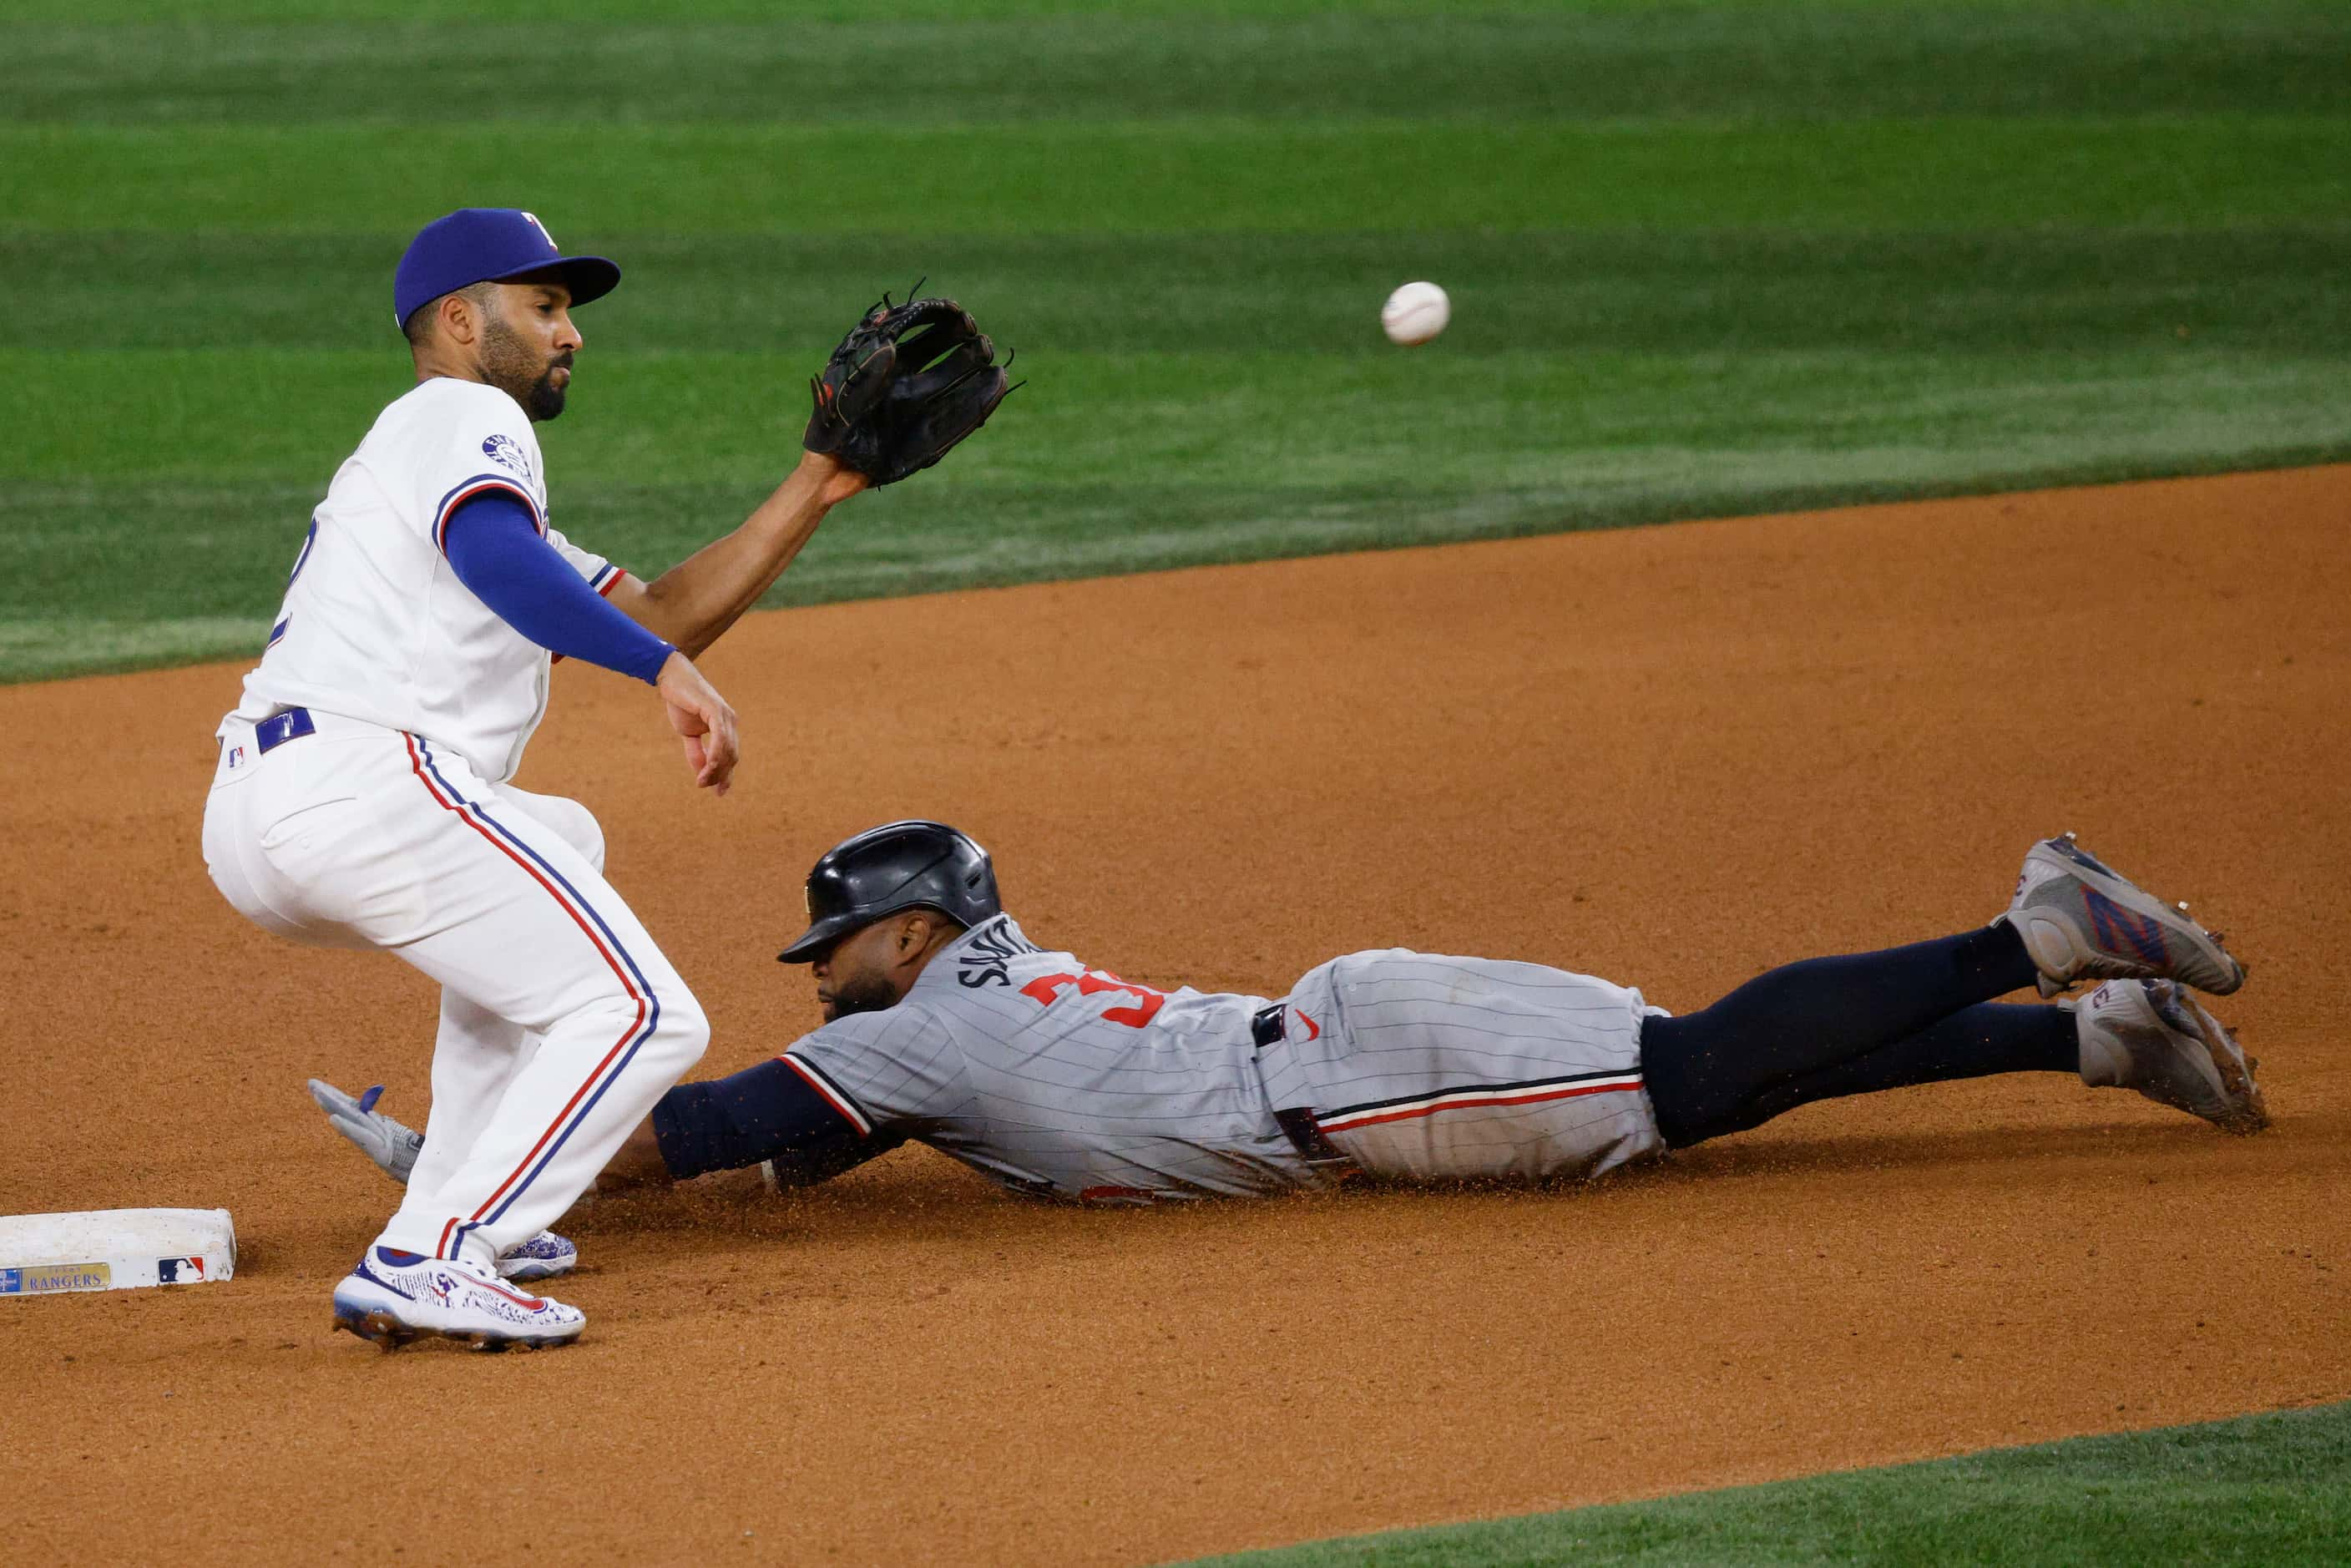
[[908, 383]]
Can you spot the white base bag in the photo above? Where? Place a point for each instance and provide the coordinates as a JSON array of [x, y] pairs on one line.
[[114, 1249]]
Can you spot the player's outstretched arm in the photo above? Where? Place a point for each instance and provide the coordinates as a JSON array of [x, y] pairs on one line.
[[905, 386], [494, 546], [694, 601], [769, 1115], [394, 1145]]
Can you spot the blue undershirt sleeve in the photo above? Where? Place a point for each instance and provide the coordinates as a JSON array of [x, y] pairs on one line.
[[496, 549], [774, 1114]]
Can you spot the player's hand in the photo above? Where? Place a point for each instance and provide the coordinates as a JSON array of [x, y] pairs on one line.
[[834, 480], [703, 721], [390, 1145]]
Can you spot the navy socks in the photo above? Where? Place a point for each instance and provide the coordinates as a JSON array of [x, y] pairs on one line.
[[1851, 1025]]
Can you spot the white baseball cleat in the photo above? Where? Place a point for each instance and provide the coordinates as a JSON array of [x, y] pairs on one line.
[[2152, 1036], [2082, 920], [392, 1297], [543, 1257]]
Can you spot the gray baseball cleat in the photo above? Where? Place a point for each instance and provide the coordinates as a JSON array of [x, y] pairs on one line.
[[2152, 1036], [2082, 920]]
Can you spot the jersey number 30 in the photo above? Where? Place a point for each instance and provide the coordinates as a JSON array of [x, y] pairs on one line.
[[1046, 990]]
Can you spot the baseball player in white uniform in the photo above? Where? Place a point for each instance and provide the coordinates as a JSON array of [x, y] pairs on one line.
[[946, 1025], [364, 794]]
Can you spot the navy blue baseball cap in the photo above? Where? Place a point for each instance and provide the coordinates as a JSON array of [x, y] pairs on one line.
[[490, 245]]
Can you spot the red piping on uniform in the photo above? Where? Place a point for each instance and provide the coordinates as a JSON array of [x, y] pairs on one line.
[[1473, 1104], [416, 766], [831, 1098], [441, 523]]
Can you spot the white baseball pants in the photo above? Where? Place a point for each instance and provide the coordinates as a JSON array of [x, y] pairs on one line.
[[561, 1023]]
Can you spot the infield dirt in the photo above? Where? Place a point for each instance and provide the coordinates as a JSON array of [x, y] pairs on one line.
[[1673, 756]]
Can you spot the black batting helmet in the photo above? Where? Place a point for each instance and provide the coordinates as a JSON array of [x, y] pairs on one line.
[[914, 864]]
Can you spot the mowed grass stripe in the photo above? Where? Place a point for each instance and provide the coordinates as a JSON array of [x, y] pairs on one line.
[[1563, 62], [1084, 484], [1947, 174], [206, 12], [213, 12], [1169, 420], [2271, 1489], [2049, 290]]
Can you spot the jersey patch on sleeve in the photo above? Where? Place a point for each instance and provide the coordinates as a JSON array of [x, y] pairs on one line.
[[506, 452]]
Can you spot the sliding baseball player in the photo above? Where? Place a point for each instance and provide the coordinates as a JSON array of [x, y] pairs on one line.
[[947, 1026]]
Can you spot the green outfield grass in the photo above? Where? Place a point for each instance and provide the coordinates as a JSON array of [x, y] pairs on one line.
[[2273, 1490], [1240, 178], [1707, 255]]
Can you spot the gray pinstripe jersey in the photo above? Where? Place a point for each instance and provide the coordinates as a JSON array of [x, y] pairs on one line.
[[1057, 1080]]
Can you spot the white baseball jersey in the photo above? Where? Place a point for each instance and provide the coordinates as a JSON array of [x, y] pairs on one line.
[[376, 625], [384, 818], [1057, 1080]]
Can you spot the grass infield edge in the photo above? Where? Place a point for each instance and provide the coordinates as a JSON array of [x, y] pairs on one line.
[[130, 647], [2285, 1475]]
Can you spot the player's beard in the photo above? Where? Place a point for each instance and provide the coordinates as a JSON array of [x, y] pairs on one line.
[[517, 370], [860, 994]]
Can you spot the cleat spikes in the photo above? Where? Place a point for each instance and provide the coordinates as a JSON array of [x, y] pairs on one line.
[[2081, 919], [382, 1330], [2151, 1036]]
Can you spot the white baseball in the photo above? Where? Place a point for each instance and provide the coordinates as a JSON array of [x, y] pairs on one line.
[[1414, 314]]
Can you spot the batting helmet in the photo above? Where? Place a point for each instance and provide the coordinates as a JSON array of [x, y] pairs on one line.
[[914, 864]]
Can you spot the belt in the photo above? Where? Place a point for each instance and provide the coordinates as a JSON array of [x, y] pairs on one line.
[[279, 729], [1267, 1026], [1305, 1135]]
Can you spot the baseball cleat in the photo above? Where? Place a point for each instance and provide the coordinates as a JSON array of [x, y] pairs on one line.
[[2152, 1036], [543, 1257], [2082, 920], [392, 1297]]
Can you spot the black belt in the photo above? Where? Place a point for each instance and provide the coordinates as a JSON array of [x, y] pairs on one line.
[[1268, 1025], [279, 729], [1305, 1135]]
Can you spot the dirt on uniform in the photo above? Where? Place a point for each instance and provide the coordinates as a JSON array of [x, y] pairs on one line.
[[1674, 757]]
